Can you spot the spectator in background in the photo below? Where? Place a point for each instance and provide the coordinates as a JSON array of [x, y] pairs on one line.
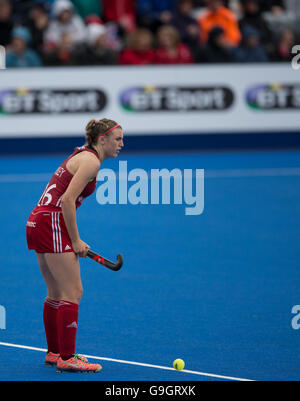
[[84, 8], [216, 14], [6, 22], [112, 37], [121, 12], [21, 9], [276, 7], [65, 53], [186, 24], [170, 49], [64, 22], [38, 22], [151, 14], [139, 49], [19, 53], [250, 50], [47, 3], [252, 15], [216, 49], [97, 50], [283, 48]]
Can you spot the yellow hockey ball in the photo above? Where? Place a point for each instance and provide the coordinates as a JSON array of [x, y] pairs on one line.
[[178, 364]]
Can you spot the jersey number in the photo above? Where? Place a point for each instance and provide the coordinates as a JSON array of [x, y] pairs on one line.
[[46, 198]]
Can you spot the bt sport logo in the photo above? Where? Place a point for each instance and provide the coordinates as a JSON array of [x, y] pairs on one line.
[[274, 96], [176, 99]]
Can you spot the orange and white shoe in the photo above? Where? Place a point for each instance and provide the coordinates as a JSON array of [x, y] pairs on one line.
[[51, 359], [76, 363]]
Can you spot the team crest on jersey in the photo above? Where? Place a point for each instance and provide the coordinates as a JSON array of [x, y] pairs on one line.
[[31, 224]]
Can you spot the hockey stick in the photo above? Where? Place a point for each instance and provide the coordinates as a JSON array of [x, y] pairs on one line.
[[105, 262]]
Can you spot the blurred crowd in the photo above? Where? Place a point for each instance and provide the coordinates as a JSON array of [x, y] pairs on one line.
[[142, 32]]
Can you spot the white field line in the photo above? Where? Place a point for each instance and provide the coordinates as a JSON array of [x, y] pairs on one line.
[[25, 177], [253, 172], [132, 363], [220, 173]]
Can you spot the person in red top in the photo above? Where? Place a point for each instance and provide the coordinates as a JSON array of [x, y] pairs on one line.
[[120, 11], [170, 50], [52, 232], [139, 49], [215, 15]]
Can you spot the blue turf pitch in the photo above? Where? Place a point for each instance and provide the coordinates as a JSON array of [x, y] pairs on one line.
[[216, 289]]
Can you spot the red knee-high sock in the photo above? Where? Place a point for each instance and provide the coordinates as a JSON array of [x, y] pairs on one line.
[[50, 322], [67, 328]]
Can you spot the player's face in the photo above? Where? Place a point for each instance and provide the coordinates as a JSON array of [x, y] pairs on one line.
[[113, 143]]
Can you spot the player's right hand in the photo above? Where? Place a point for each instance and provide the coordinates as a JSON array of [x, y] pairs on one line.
[[80, 248]]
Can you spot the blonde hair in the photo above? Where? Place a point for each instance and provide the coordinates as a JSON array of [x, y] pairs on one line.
[[171, 31], [133, 38], [95, 128]]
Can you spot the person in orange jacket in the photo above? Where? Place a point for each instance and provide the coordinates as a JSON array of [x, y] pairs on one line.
[[216, 14]]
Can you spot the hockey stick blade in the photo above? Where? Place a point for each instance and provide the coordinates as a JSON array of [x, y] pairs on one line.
[[105, 262]]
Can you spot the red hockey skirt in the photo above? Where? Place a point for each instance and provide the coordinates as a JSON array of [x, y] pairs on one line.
[[46, 232]]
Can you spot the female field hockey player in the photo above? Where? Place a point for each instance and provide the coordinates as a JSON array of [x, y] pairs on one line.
[[52, 232]]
